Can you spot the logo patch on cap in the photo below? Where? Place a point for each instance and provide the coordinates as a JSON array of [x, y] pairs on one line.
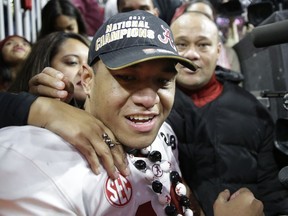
[[167, 37]]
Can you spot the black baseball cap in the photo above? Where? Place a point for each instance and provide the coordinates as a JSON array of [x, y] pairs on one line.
[[133, 37]]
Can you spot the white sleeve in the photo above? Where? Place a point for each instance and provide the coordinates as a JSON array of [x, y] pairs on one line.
[[31, 173]]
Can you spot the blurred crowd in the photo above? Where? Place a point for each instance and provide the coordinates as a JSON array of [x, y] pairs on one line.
[[86, 16]]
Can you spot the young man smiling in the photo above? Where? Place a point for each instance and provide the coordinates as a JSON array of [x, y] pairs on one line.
[[130, 88]]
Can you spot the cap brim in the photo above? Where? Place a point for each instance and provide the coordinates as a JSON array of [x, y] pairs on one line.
[[119, 59]]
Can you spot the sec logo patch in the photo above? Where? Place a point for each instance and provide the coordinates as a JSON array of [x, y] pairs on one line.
[[118, 192]]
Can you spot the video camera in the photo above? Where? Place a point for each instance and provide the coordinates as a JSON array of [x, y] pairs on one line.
[[281, 139], [269, 34], [281, 136], [259, 10]]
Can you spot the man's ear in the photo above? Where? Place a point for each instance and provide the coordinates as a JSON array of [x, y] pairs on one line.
[[87, 78], [156, 11]]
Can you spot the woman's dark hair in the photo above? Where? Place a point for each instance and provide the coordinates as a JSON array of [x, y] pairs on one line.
[[55, 8], [40, 57], [5, 74]]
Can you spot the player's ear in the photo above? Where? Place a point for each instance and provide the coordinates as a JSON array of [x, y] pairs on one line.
[[87, 78], [156, 12]]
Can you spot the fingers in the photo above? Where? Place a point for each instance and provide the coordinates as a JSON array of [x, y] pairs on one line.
[[111, 157], [120, 159], [221, 202], [90, 144], [48, 91], [93, 148], [69, 88], [103, 151], [84, 135], [48, 83], [241, 203], [242, 191], [259, 206], [234, 195], [255, 205], [249, 197], [89, 153], [224, 196]]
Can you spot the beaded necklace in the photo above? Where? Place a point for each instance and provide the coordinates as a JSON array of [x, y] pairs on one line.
[[175, 200]]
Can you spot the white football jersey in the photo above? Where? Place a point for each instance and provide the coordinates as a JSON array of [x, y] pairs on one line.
[[42, 174]]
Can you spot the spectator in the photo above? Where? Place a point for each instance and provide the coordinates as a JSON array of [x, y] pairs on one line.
[[228, 57], [165, 9], [14, 50], [130, 5], [110, 9], [204, 6], [67, 52], [61, 15], [224, 132], [92, 13]]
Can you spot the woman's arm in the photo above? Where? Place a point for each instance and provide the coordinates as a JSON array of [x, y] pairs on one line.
[[14, 108], [74, 125]]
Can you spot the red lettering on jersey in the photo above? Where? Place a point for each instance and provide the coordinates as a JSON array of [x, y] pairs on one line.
[[119, 191]]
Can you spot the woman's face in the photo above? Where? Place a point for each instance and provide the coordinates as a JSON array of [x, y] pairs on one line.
[[71, 56], [15, 50], [66, 24]]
